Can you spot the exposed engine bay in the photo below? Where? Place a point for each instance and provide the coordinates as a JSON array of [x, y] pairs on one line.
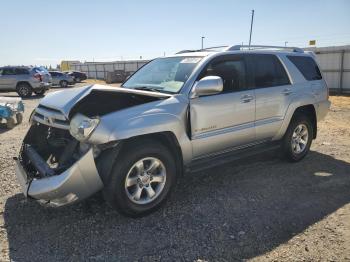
[[101, 102], [47, 151]]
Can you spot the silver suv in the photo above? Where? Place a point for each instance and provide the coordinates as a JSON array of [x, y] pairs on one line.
[[23, 80], [186, 112]]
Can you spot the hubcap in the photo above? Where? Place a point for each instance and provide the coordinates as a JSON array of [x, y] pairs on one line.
[[300, 138], [23, 90], [145, 180]]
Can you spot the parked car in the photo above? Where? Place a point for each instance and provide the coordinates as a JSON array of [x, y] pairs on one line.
[[45, 74], [77, 76], [176, 114], [61, 79], [23, 80]]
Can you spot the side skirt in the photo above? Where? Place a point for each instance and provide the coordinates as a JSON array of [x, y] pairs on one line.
[[234, 154]]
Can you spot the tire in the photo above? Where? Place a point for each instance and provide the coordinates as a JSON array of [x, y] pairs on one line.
[[77, 80], [19, 118], [40, 92], [295, 143], [126, 198], [63, 83], [10, 123], [24, 90]]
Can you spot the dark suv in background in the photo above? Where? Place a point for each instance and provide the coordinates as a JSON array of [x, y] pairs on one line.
[[24, 80], [77, 76]]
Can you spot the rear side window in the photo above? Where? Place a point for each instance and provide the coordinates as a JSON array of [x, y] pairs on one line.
[[307, 67], [267, 71], [8, 71], [21, 71]]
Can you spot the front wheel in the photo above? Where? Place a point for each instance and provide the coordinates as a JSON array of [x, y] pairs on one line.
[[141, 179], [298, 138], [63, 83], [40, 92], [24, 90]]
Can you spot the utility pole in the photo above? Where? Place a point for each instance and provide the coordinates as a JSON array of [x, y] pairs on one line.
[[251, 28], [285, 43], [202, 42]]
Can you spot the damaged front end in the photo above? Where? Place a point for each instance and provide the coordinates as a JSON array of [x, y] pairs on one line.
[[55, 168], [58, 160]]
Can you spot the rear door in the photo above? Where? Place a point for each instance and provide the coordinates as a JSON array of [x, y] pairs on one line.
[[54, 77], [273, 93], [226, 120]]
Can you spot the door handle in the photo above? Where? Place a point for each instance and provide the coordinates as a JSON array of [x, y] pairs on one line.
[[287, 91], [246, 98]]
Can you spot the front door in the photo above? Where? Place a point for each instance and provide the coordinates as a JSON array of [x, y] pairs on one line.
[[7, 78], [223, 121]]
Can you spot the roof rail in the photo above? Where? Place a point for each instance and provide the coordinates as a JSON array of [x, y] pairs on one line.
[[239, 47]]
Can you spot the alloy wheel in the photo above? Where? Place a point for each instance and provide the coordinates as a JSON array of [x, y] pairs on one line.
[[145, 180]]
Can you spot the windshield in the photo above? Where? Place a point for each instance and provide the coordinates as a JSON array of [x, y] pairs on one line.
[[166, 75]]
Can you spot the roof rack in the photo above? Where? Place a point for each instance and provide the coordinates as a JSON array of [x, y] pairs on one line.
[[201, 50], [239, 47]]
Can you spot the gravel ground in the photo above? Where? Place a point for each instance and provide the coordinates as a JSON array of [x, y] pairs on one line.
[[262, 208]]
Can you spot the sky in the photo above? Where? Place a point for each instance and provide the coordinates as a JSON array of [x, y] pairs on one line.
[[41, 32]]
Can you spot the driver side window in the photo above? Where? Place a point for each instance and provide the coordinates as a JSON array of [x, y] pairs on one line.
[[231, 69]]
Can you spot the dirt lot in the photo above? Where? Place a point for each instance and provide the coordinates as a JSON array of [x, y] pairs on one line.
[[263, 209]]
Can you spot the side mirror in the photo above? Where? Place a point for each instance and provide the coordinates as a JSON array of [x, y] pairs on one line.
[[208, 85]]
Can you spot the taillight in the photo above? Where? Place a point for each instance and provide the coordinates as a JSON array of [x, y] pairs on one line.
[[39, 77]]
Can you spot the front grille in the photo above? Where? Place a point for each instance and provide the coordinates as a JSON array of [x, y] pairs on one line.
[[51, 117]]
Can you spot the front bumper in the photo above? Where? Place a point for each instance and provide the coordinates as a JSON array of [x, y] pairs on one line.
[[78, 182]]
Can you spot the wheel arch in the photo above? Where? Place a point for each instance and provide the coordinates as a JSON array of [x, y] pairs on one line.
[[23, 82], [310, 112], [108, 157]]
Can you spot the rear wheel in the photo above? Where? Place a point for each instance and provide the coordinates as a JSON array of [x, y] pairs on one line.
[[298, 138], [141, 179], [19, 118], [77, 79], [24, 90], [63, 83], [10, 123]]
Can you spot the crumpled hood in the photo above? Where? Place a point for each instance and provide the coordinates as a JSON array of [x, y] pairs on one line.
[[66, 99]]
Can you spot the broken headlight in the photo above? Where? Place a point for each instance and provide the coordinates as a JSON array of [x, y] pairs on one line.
[[82, 126]]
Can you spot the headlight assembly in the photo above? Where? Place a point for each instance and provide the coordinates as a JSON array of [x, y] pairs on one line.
[[81, 127]]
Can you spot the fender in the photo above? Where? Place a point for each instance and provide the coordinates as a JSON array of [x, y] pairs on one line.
[[300, 100], [149, 124]]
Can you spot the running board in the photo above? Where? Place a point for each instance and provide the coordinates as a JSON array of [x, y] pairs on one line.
[[212, 161]]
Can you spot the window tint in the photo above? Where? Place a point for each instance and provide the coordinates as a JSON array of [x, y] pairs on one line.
[[267, 71], [8, 71], [53, 73], [307, 66], [231, 69], [21, 71]]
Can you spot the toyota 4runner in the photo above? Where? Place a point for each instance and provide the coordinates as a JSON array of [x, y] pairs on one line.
[[184, 112]]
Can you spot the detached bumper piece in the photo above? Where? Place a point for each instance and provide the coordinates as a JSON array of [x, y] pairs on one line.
[[78, 182]]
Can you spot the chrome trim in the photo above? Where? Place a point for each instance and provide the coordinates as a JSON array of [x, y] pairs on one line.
[[221, 131], [51, 118]]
